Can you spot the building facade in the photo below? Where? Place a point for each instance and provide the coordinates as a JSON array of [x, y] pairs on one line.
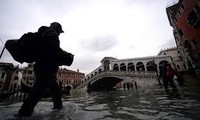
[[8, 77], [65, 77], [152, 63], [142, 64], [69, 78], [184, 17], [176, 57]]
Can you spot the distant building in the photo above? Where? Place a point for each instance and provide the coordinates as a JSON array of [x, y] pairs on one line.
[[8, 77], [28, 74], [176, 57], [64, 76], [142, 64], [184, 17], [69, 77]]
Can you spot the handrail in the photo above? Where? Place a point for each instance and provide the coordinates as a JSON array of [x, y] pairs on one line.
[[120, 74]]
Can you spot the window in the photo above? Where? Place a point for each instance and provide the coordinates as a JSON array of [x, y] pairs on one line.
[[182, 7], [198, 54], [179, 13], [175, 19], [29, 72], [180, 32], [196, 8], [194, 42], [193, 18], [3, 75], [180, 58], [184, 66], [16, 78], [198, 2], [178, 67]]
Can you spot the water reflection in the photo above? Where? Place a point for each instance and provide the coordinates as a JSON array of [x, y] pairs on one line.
[[144, 104], [132, 105]]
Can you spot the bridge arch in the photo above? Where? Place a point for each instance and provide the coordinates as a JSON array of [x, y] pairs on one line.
[[116, 67], [140, 66], [105, 83], [122, 67], [151, 66], [131, 66], [95, 73], [100, 70], [106, 65]]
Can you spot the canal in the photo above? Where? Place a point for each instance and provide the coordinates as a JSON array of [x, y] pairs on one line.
[[144, 104], [151, 104]]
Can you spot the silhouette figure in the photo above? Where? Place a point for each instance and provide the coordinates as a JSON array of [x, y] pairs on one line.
[[45, 69], [167, 74], [170, 75]]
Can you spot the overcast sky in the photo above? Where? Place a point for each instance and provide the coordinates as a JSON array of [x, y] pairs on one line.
[[94, 29]]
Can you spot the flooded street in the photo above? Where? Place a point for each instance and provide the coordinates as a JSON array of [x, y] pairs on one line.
[[133, 105], [147, 104]]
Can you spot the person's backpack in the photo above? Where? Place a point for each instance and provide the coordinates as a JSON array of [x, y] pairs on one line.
[[29, 46], [24, 49]]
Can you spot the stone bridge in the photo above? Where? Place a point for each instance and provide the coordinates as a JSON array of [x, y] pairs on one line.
[[106, 80]]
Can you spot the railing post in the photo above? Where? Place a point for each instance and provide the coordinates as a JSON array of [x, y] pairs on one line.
[[136, 85]]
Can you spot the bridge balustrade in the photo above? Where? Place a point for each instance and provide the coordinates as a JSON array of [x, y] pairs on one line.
[[119, 74]]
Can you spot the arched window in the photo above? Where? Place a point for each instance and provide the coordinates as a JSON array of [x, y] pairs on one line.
[[131, 67], [115, 67], [140, 66], [100, 70], [106, 65], [178, 67], [122, 67], [151, 66]]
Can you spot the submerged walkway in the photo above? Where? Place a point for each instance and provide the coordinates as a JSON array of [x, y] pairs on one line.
[[143, 104]]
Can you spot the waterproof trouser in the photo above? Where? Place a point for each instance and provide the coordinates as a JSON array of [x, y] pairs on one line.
[[43, 82]]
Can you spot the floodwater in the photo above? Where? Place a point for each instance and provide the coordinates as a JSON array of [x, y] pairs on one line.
[[152, 104], [142, 104]]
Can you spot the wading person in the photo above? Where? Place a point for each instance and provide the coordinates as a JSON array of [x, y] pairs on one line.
[[167, 74], [170, 76], [45, 69], [163, 75]]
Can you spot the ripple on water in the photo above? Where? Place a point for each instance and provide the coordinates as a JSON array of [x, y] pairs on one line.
[[99, 107]]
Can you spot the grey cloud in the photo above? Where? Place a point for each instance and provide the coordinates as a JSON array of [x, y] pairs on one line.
[[6, 57], [102, 43], [169, 43], [86, 63], [131, 47]]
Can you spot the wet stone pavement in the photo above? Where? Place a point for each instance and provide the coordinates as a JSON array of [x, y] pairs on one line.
[[142, 104]]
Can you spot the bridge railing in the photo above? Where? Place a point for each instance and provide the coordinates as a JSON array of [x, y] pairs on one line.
[[139, 74]]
